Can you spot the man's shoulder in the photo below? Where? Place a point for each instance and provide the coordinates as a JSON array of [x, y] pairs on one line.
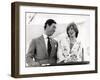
[[36, 39]]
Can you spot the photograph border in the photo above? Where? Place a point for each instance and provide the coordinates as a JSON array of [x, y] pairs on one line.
[[15, 41]]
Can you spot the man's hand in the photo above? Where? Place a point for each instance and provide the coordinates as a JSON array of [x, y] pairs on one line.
[[45, 64], [34, 64]]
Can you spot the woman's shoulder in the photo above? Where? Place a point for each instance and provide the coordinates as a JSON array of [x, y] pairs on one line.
[[64, 41], [79, 43]]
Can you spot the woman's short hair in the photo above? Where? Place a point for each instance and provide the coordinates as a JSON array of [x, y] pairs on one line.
[[74, 27], [49, 22]]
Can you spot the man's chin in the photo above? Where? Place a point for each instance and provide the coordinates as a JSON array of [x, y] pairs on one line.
[[51, 35]]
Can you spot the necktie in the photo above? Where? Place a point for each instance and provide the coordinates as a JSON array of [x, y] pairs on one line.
[[49, 46]]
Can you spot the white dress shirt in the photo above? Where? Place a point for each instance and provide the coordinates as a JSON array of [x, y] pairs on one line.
[[45, 40]]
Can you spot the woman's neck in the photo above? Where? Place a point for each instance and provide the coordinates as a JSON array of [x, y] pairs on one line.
[[72, 39], [72, 42]]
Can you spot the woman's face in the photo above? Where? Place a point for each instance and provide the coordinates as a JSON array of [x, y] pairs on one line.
[[71, 32]]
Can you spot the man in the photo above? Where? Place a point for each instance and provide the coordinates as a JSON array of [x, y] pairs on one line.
[[43, 50]]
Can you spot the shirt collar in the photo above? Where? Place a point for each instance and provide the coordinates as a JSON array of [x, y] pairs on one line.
[[45, 36]]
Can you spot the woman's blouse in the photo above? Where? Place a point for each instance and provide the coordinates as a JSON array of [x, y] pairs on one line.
[[69, 55]]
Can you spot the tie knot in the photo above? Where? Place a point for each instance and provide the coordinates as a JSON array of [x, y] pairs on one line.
[[48, 37]]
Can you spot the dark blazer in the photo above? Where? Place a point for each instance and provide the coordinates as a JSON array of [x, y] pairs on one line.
[[37, 50]]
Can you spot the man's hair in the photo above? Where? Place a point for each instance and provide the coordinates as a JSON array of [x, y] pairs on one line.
[[74, 27], [49, 22]]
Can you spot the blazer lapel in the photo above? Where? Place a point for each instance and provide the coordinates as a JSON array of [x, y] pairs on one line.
[[53, 46], [43, 45]]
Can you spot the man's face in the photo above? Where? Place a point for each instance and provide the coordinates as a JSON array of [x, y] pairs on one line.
[[50, 29]]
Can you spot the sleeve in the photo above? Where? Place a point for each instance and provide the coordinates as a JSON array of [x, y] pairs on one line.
[[30, 56], [56, 50], [80, 52], [60, 56]]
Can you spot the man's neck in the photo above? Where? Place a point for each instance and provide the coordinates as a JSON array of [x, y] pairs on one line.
[[45, 33]]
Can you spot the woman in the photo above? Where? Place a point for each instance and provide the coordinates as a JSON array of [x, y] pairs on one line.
[[69, 49]]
